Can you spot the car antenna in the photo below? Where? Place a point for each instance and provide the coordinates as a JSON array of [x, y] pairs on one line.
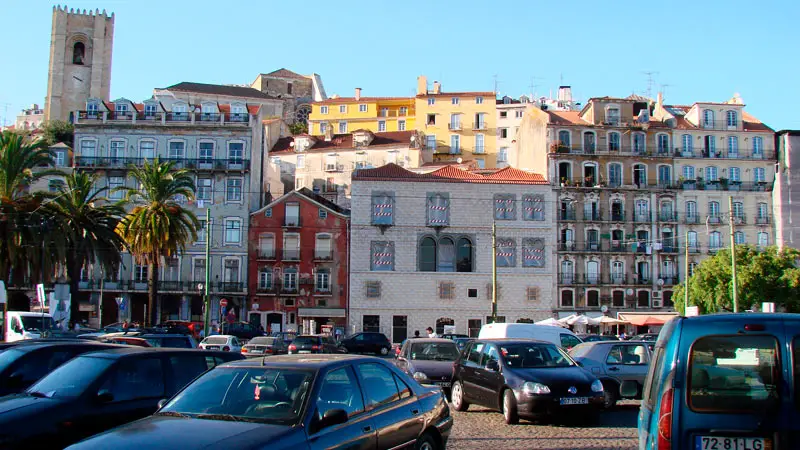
[[264, 360]]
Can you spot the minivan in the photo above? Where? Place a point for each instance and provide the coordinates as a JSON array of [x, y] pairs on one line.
[[723, 381], [560, 336]]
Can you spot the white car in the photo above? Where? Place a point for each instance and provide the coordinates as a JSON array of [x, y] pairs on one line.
[[222, 342]]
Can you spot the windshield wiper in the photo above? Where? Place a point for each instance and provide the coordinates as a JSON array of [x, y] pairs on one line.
[[172, 414], [228, 417]]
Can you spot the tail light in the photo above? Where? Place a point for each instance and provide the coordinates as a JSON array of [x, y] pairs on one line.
[[315, 347], [292, 348], [665, 420], [226, 349], [268, 350], [244, 349]]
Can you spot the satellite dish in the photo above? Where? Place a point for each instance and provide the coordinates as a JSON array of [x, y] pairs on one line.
[[604, 309], [629, 291], [660, 281], [458, 160], [291, 144]]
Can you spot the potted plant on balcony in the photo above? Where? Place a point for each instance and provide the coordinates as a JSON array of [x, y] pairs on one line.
[[724, 183], [563, 182], [700, 183]]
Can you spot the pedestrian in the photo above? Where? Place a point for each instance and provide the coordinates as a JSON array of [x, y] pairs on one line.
[[77, 327], [431, 334], [125, 326], [416, 334]]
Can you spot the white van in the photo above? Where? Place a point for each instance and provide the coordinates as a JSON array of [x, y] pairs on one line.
[[557, 335], [21, 325]]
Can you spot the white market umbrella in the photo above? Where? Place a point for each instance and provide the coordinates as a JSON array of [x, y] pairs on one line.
[[550, 322]]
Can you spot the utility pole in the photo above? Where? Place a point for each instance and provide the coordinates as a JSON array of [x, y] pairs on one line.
[[733, 257], [686, 272], [206, 299], [494, 272]]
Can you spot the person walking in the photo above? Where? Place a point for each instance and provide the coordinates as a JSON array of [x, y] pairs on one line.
[[125, 326], [416, 334], [431, 334]]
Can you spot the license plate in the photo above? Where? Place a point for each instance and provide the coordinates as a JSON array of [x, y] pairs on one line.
[[575, 401], [212, 347], [732, 443], [256, 351], [304, 351], [445, 384]]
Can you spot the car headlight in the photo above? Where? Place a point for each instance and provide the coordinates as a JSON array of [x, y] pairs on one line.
[[532, 388], [420, 376], [597, 386]]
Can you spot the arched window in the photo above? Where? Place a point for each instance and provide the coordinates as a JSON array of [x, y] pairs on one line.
[[712, 174], [567, 272], [714, 240], [447, 255], [639, 145], [589, 140], [427, 255], [691, 212], [731, 118], [592, 272], [564, 138], [593, 298], [78, 53], [763, 239], [441, 322], [708, 118], [464, 255], [564, 171], [688, 173], [738, 238]]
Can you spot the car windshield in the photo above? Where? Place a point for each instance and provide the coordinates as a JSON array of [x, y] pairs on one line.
[[37, 323], [72, 378], [530, 356], [251, 394], [215, 340], [9, 356], [434, 351], [262, 341]]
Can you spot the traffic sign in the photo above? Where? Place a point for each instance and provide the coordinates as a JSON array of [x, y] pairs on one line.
[[223, 302]]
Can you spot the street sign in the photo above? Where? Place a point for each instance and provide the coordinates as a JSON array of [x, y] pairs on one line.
[[692, 311], [768, 307], [40, 295], [120, 303], [3, 294], [223, 302]]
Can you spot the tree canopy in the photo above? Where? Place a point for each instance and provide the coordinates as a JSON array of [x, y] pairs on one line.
[[55, 131], [768, 275]]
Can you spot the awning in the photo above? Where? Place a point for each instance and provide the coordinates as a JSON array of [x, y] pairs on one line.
[[646, 319], [321, 312], [589, 314]]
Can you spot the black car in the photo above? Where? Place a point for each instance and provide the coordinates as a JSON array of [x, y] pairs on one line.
[[462, 342], [291, 402], [313, 344], [25, 363], [650, 337], [169, 340], [429, 361], [98, 391], [524, 378], [366, 342], [265, 346], [242, 330]]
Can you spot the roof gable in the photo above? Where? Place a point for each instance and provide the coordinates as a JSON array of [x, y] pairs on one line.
[[310, 196], [286, 73]]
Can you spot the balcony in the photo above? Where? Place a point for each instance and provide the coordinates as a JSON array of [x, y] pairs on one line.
[[740, 219], [323, 290], [288, 289], [566, 246], [724, 185], [479, 126], [694, 249], [611, 150], [642, 217], [454, 126], [267, 254], [566, 278], [230, 286], [171, 286], [592, 216], [566, 215], [270, 289], [719, 125], [323, 255], [291, 222], [642, 279], [714, 220], [617, 217], [164, 118], [763, 219], [669, 247], [290, 255], [592, 246], [692, 219], [668, 216], [670, 279], [751, 154], [103, 162]]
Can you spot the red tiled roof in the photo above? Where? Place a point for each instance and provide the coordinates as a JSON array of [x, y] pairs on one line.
[[286, 73], [449, 174], [749, 123], [455, 173], [345, 141], [361, 99], [574, 118], [512, 174], [458, 94]]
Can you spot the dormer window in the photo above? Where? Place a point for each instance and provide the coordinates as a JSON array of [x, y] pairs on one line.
[[91, 110], [150, 110], [612, 116], [708, 118], [238, 109]]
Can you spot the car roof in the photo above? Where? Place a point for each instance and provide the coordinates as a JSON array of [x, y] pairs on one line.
[[221, 335], [595, 343], [125, 351], [314, 362], [514, 341], [742, 317], [33, 346], [429, 340], [159, 335]]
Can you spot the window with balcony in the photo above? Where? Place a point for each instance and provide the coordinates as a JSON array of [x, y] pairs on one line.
[[204, 189], [691, 212], [759, 175], [430, 142], [292, 214], [735, 174], [233, 190], [686, 147], [688, 173], [662, 144], [506, 252], [233, 231], [567, 272], [640, 175], [266, 246], [381, 125], [733, 147], [438, 209], [667, 211], [567, 239], [617, 211], [642, 210], [382, 255], [614, 141], [231, 272], [738, 238], [291, 247], [615, 175], [564, 138], [202, 230], [762, 213], [643, 271], [177, 150], [712, 174], [235, 152], [116, 152], [713, 211], [88, 148], [592, 272], [708, 118], [322, 282], [198, 270], [205, 152], [592, 240], [140, 273], [479, 148], [714, 241], [290, 280], [114, 188], [265, 278], [532, 207], [589, 141], [455, 144], [758, 147], [664, 176], [505, 207], [732, 119], [533, 252], [323, 246], [763, 239], [738, 211], [639, 143], [692, 241], [617, 272], [455, 121], [612, 116], [710, 146]]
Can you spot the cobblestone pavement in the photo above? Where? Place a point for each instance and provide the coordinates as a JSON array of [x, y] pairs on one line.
[[479, 428]]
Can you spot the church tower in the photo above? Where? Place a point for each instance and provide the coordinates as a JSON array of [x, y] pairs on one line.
[[80, 61]]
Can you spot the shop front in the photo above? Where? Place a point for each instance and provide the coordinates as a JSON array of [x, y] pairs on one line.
[[322, 320]]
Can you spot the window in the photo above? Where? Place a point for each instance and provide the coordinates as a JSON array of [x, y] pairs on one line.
[[615, 175], [235, 152], [733, 146], [381, 125], [738, 238], [136, 378], [532, 207], [362, 108], [711, 146], [204, 189], [403, 111], [502, 154], [627, 355], [88, 148], [379, 384], [430, 142], [711, 174], [503, 133], [506, 252], [612, 116], [61, 156], [114, 184], [614, 141], [564, 138], [323, 213], [758, 147], [447, 290], [205, 152], [438, 209], [479, 100], [663, 143], [691, 211], [266, 246], [640, 175], [688, 173], [734, 174], [322, 282], [454, 100], [372, 289], [323, 248], [738, 210], [664, 175], [231, 270], [233, 231], [708, 118], [382, 208], [504, 207], [532, 252], [301, 161], [763, 239], [290, 280], [78, 53], [323, 128], [686, 141], [202, 230], [503, 114], [731, 118], [198, 269], [342, 108], [762, 213], [758, 175], [713, 209], [323, 110], [342, 127], [233, 190], [692, 268], [519, 114], [639, 145], [446, 253], [714, 240], [177, 150], [382, 256], [401, 125], [427, 255], [431, 101], [340, 384], [464, 255], [479, 148]]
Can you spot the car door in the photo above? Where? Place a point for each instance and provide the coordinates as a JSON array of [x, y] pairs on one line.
[[628, 362], [359, 343], [395, 411], [469, 376], [489, 380], [339, 389]]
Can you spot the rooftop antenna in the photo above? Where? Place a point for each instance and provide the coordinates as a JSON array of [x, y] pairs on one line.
[[495, 83], [663, 88], [534, 85], [650, 82]]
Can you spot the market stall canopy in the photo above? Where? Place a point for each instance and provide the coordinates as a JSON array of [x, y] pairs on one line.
[[605, 320], [646, 320], [550, 322]]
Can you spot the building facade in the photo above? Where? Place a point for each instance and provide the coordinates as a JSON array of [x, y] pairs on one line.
[[218, 146], [342, 115], [81, 45], [457, 124], [297, 92], [786, 194], [298, 280], [30, 119], [422, 254], [509, 117], [325, 164]]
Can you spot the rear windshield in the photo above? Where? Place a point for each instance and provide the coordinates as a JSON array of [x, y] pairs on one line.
[[263, 341], [305, 340], [734, 373], [216, 340]]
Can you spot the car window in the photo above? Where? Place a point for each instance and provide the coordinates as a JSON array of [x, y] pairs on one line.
[[568, 341], [35, 365], [72, 378], [405, 390], [379, 385], [136, 378], [434, 351], [186, 368], [534, 355], [474, 355], [213, 361], [653, 380], [734, 373], [339, 390], [360, 337], [627, 355], [490, 354]]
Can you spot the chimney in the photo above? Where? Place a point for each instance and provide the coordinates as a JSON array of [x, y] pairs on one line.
[[422, 85], [564, 93], [437, 87], [660, 99], [358, 94]]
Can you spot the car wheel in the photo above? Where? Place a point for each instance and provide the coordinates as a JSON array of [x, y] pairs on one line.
[[609, 396], [384, 351], [510, 408], [426, 442], [343, 349], [457, 397]]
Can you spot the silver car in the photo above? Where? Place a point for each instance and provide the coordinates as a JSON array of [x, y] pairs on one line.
[[614, 362]]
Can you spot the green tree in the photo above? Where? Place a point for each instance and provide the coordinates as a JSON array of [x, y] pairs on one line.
[[55, 131], [158, 226], [768, 275], [298, 128], [89, 221]]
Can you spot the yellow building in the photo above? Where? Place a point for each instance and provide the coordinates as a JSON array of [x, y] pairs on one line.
[[376, 114], [457, 124]]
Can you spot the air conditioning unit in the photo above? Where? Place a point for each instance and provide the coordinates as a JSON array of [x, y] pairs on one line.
[[656, 295], [656, 303], [330, 167]]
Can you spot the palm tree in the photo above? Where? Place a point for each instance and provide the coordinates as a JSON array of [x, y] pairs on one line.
[[90, 222], [158, 226]]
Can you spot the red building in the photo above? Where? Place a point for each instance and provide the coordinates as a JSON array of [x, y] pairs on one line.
[[298, 274]]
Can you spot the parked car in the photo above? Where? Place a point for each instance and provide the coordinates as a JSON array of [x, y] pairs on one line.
[[366, 342], [286, 336], [331, 401], [98, 391], [614, 362], [169, 340], [651, 337], [462, 342], [265, 345], [452, 336], [596, 337], [179, 327], [127, 340], [221, 342], [242, 330], [313, 344], [723, 381], [560, 336], [429, 361], [524, 378], [24, 364]]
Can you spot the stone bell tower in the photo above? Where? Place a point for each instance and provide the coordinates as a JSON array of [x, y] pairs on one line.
[[80, 61]]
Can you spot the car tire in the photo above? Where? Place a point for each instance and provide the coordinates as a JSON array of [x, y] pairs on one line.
[[426, 442], [457, 397], [343, 349], [510, 408], [610, 397], [383, 351]]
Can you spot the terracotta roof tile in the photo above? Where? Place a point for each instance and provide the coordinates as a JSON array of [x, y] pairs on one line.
[[253, 109], [218, 89], [455, 173], [345, 141], [566, 118], [459, 94], [512, 174], [449, 174]]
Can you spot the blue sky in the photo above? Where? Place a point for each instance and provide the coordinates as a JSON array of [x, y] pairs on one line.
[[701, 50]]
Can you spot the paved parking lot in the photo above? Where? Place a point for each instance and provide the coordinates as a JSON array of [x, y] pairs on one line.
[[480, 428]]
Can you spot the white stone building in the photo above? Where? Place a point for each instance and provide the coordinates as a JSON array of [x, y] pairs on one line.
[[421, 252]]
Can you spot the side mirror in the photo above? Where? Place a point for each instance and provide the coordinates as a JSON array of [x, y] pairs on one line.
[[18, 329], [333, 417], [629, 389], [492, 365], [104, 396], [162, 402]]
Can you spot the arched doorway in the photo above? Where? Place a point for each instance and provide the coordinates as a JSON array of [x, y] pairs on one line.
[[441, 322]]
